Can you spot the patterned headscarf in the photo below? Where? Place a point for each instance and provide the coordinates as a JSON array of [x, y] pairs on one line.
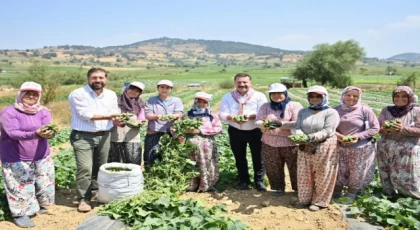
[[351, 107], [29, 109], [401, 111], [130, 105]]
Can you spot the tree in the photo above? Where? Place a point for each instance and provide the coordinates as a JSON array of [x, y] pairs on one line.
[[409, 80], [391, 70], [362, 70], [38, 72], [330, 64]]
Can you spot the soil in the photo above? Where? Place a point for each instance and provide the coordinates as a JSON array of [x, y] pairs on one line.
[[261, 210], [62, 216]]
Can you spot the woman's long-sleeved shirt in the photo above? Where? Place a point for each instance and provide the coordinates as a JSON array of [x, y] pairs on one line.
[[127, 134], [210, 128], [354, 123], [158, 107], [278, 137], [18, 140], [317, 126], [410, 122]]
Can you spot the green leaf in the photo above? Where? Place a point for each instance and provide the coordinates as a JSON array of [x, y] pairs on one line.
[[354, 210], [163, 200], [392, 222], [190, 162], [151, 221]]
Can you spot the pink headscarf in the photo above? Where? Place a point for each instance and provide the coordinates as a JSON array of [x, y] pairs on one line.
[[351, 107], [29, 109]]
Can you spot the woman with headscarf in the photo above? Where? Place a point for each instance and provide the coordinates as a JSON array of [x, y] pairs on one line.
[[205, 153], [27, 168], [125, 138], [158, 108], [398, 149], [317, 162], [357, 157], [277, 149]]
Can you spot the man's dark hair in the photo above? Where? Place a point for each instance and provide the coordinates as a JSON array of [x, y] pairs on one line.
[[94, 70], [242, 75]]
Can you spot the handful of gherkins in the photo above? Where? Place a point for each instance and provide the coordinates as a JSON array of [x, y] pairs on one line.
[[390, 124], [348, 139], [300, 138], [167, 117], [240, 118], [50, 127], [268, 124], [124, 116]]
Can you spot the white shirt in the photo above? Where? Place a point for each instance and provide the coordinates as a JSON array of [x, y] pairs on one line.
[[84, 103], [230, 106]]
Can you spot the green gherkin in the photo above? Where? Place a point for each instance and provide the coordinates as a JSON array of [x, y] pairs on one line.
[[167, 117], [240, 118], [271, 124], [302, 138], [50, 127], [348, 138], [124, 116], [117, 169], [389, 124]]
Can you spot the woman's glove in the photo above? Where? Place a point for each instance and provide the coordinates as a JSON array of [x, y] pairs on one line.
[[260, 124]]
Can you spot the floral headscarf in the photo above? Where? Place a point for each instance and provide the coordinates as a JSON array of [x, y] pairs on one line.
[[351, 107], [29, 109], [130, 105], [401, 111]]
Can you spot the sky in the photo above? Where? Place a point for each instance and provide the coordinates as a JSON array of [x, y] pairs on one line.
[[384, 28]]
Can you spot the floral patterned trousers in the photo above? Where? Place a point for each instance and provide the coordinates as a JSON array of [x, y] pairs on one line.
[[317, 172], [356, 167], [29, 185], [399, 167], [274, 160], [205, 155]]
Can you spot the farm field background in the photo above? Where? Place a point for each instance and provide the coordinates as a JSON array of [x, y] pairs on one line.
[[247, 205]]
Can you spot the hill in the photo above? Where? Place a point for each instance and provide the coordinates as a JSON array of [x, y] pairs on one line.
[[161, 51], [409, 57]]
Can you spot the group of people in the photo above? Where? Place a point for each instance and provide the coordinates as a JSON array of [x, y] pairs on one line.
[[319, 169]]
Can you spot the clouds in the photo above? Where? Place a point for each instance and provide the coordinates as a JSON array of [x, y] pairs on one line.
[[305, 41], [411, 22], [387, 39]]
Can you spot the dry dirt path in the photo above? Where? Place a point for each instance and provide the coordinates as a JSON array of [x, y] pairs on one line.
[[260, 210]]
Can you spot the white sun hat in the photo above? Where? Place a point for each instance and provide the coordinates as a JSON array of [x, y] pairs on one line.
[[277, 88], [138, 85], [317, 89], [31, 86], [166, 82], [203, 96]]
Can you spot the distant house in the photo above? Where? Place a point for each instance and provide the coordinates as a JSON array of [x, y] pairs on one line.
[[196, 85]]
